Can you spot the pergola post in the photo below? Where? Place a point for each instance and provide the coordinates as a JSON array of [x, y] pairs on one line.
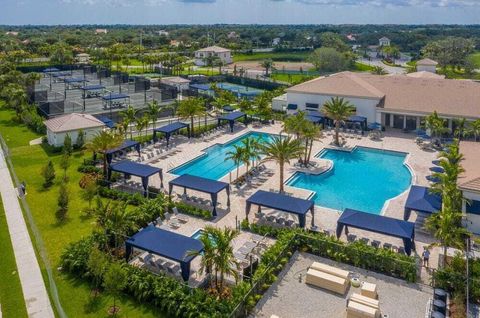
[[313, 215], [185, 267], [247, 210], [214, 203], [161, 178], [145, 186], [228, 195]]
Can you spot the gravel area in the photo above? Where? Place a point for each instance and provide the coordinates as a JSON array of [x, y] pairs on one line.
[[289, 297]]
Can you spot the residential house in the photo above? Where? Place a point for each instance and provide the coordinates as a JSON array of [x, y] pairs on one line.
[[223, 54]]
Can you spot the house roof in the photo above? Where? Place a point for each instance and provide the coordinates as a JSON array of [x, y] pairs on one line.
[[216, 49], [427, 62], [401, 93], [470, 179], [425, 74], [384, 39], [73, 121]]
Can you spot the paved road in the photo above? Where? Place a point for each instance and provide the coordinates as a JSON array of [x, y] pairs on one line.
[[33, 286], [377, 62]]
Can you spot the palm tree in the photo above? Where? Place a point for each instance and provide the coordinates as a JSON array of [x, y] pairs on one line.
[[338, 109], [461, 128], [236, 155], [267, 65], [153, 109], [435, 124], [475, 128], [310, 133], [294, 124], [378, 70], [225, 262], [189, 109], [209, 252], [282, 150], [103, 142], [248, 153], [139, 125], [123, 127], [129, 115]]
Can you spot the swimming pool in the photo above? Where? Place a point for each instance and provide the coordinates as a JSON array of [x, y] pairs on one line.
[[212, 164], [362, 179]]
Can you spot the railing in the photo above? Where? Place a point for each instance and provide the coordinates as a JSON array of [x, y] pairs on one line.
[[37, 241]]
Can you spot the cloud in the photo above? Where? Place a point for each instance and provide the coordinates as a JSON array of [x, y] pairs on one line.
[[394, 3], [198, 1]]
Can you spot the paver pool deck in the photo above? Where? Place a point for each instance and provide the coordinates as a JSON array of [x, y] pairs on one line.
[[418, 160], [290, 296]]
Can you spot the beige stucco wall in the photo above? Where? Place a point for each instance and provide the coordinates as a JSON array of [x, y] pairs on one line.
[[57, 139]]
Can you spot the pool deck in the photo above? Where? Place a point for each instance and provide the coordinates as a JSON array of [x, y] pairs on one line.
[[418, 160]]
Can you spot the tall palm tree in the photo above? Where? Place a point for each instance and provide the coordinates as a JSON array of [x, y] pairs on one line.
[[338, 109], [461, 128], [129, 115], [189, 109], [310, 133], [475, 128], [267, 65], [282, 150], [153, 109], [236, 155], [139, 125], [209, 252], [294, 124], [248, 153], [436, 125], [225, 261], [103, 142]]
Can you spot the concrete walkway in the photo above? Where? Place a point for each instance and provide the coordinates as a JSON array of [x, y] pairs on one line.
[[33, 286]]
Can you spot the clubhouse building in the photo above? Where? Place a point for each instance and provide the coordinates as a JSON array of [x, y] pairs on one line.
[[396, 101]]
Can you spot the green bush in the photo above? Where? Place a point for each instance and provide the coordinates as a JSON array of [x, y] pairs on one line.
[[89, 169], [192, 210], [114, 194]]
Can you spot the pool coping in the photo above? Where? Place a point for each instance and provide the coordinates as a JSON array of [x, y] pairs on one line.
[[385, 204]]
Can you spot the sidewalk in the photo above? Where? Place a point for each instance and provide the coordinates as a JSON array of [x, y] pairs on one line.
[[33, 286]]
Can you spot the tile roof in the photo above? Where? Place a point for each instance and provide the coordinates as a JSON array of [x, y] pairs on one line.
[[427, 61], [425, 74], [401, 93], [73, 121], [214, 48], [470, 179]]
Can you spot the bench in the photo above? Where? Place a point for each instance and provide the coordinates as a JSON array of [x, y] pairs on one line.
[[357, 310], [364, 300], [330, 270], [326, 281], [369, 290]]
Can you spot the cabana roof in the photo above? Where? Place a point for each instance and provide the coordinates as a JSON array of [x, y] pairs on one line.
[[377, 223], [126, 144], [422, 200], [198, 183], [165, 243], [281, 202], [170, 128], [135, 169], [202, 87], [115, 96], [92, 87], [232, 116], [75, 80], [107, 121], [228, 108], [314, 119], [357, 119]]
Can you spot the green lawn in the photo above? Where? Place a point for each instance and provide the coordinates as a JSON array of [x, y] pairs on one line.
[[291, 78], [11, 295], [476, 59], [28, 161], [275, 56]]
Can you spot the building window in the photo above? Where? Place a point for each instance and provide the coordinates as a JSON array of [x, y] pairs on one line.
[[473, 207], [387, 120], [398, 121], [411, 123], [311, 105]]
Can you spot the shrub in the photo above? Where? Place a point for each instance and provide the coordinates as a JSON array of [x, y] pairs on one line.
[[67, 145], [80, 142], [130, 198], [48, 173], [89, 169], [192, 210]]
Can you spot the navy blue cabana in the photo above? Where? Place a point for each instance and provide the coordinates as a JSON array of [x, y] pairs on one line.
[[314, 119], [378, 224], [130, 168], [282, 202], [360, 120], [127, 144], [422, 200], [176, 247], [169, 129], [107, 121], [205, 185], [231, 117]]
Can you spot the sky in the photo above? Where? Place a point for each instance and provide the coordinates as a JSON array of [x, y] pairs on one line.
[[53, 12]]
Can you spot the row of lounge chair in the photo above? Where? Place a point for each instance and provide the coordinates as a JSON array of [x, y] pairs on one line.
[[159, 264], [399, 249], [213, 133], [269, 218], [195, 199]]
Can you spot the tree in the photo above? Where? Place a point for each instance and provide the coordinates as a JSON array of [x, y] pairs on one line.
[[189, 109], [338, 109], [282, 150], [267, 65], [97, 265], [67, 145], [129, 115], [103, 142], [208, 253], [334, 41], [153, 110], [475, 128], [436, 125], [80, 142], [89, 192], [378, 70], [64, 164], [449, 51], [48, 173], [114, 282], [327, 59], [311, 132], [461, 130], [225, 261], [139, 125], [236, 156], [62, 202]]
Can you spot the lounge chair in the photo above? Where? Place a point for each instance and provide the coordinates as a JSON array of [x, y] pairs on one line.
[[387, 246], [351, 238], [376, 243], [365, 240]]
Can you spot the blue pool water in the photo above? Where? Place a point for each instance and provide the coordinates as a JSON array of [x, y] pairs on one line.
[[212, 164], [197, 234], [362, 179]]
